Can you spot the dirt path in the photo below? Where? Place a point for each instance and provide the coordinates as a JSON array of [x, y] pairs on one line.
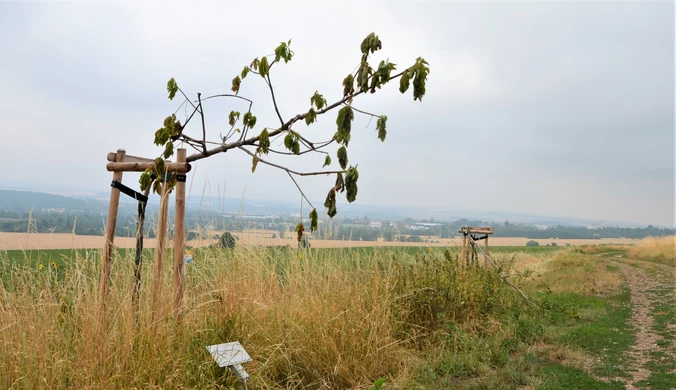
[[642, 287]]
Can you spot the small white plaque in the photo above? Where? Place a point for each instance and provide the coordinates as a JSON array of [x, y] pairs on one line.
[[229, 354]]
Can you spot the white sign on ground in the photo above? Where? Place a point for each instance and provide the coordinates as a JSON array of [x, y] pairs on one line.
[[231, 355]]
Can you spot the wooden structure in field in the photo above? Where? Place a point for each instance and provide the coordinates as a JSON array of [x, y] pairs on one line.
[[118, 163], [470, 236]]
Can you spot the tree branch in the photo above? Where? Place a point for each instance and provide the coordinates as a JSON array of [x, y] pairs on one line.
[[186, 97], [229, 95], [204, 129], [301, 192], [315, 150], [287, 169], [363, 112], [285, 126], [274, 101]]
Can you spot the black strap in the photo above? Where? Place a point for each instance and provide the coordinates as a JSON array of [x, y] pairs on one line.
[[129, 192], [167, 177]]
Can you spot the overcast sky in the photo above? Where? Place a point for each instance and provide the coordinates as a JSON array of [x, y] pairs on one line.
[[556, 108]]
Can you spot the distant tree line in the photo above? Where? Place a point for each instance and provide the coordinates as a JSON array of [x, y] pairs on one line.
[[93, 223]]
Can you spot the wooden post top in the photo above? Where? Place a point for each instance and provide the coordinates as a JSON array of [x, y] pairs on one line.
[[129, 163], [476, 230]]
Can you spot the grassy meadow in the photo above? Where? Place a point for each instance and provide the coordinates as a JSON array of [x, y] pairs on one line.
[[330, 319]]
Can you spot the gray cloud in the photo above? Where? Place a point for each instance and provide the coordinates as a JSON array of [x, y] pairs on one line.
[[552, 107]]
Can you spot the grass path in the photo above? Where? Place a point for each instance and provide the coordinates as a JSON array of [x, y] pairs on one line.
[[652, 362]]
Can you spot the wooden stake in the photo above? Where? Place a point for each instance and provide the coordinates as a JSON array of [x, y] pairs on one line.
[[486, 251], [465, 242], [160, 247], [179, 240], [110, 233]]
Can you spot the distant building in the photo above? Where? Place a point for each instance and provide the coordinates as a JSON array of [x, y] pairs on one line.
[[423, 225], [54, 210], [376, 224], [541, 227], [594, 226]]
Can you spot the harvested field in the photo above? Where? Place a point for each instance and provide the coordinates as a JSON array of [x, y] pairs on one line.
[[26, 241]]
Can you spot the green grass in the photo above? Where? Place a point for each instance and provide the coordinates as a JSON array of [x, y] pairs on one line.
[[501, 359], [601, 329], [560, 377]]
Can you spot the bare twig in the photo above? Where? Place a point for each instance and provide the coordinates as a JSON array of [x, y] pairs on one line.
[[287, 169], [363, 112], [315, 150], [302, 193], [204, 129], [229, 95], [274, 101], [179, 107], [186, 97]]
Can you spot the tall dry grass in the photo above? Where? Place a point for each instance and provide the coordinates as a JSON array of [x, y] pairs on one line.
[[314, 319], [655, 249]]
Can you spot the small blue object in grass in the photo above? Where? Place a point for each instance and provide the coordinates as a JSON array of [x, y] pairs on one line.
[[187, 259]]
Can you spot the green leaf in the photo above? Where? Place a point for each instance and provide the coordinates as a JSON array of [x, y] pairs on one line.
[[157, 187], [313, 220], [385, 69], [236, 82], [282, 51], [145, 180], [161, 136], [249, 120], [351, 178], [363, 74], [245, 72], [340, 183], [310, 117], [160, 167], [233, 117], [330, 203], [169, 122], [318, 100], [254, 164], [370, 44], [264, 141], [420, 79], [172, 88], [264, 67], [348, 85], [404, 82], [382, 75], [168, 150], [344, 123], [254, 64], [342, 157], [291, 142], [381, 127], [327, 161]]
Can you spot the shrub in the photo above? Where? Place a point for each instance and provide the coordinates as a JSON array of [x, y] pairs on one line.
[[227, 240], [532, 243]]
